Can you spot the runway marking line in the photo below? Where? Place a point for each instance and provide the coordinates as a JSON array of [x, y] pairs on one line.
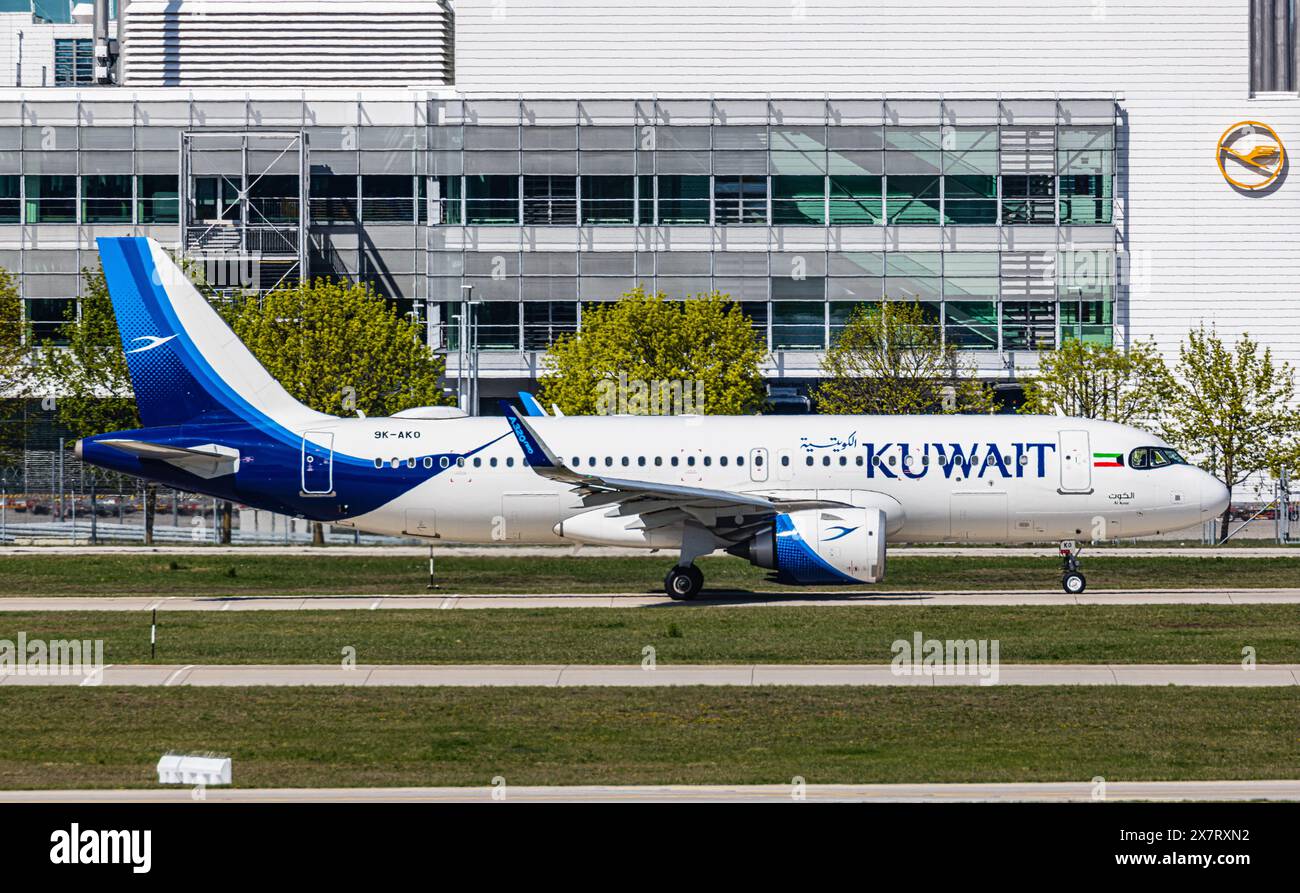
[[173, 676]]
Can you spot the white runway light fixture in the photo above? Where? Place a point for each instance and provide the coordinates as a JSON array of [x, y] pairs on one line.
[[194, 769]]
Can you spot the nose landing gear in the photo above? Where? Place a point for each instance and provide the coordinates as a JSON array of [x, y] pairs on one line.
[[1073, 581]]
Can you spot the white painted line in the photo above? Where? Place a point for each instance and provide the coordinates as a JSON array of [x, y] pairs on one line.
[[96, 678], [173, 676]]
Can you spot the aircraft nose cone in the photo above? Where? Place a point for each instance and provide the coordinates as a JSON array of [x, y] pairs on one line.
[[1214, 497]]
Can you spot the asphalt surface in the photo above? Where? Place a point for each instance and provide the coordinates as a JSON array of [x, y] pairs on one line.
[[635, 675], [560, 551], [1017, 792], [448, 601]]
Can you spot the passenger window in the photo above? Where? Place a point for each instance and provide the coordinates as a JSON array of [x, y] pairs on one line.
[[844, 460], [893, 460], [640, 460], [785, 461], [510, 462], [395, 462], [379, 463], [659, 460], [673, 461], [626, 461], [493, 462], [410, 463], [859, 461], [690, 460], [722, 460], [478, 463], [443, 462], [808, 461], [708, 460], [826, 460], [460, 462], [740, 460]]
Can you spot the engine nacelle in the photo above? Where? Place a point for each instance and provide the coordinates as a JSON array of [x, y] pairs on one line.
[[822, 546]]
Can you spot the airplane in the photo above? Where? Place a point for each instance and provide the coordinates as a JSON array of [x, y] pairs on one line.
[[816, 499]]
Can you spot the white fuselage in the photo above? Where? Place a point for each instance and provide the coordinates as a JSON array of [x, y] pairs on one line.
[[1035, 478]]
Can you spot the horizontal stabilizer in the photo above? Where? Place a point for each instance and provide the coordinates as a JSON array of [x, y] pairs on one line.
[[206, 461]]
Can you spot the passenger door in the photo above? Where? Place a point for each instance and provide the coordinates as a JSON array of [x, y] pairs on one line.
[[1076, 462]]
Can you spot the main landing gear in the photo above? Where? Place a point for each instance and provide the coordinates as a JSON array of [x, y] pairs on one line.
[[684, 583], [1073, 582]]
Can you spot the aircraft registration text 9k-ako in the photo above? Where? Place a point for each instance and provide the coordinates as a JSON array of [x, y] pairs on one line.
[[814, 498]]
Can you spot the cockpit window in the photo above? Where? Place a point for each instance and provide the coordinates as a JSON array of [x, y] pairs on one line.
[[1154, 457]]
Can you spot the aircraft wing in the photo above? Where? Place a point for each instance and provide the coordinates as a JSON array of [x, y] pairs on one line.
[[658, 504]]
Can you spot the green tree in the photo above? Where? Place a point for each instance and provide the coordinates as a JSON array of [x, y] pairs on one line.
[[890, 360], [644, 355], [14, 369], [340, 348], [1095, 381], [1233, 407], [87, 377]]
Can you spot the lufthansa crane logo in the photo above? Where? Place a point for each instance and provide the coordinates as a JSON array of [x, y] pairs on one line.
[[1251, 155]]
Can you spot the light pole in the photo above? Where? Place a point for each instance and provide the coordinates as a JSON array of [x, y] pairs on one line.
[[467, 368]]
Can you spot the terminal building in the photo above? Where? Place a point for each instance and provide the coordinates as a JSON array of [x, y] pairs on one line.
[[1027, 172]]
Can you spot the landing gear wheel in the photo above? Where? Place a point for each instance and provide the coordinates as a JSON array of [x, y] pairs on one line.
[[684, 583], [1074, 583]]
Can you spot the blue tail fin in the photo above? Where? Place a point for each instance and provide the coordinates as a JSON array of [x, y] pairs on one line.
[[186, 364]]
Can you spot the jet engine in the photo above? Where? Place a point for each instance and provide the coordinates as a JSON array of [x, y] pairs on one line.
[[821, 546]]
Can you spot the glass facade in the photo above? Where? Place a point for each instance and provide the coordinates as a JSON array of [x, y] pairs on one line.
[[996, 215], [74, 61]]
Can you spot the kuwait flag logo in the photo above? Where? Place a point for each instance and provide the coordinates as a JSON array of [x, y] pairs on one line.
[[1107, 460]]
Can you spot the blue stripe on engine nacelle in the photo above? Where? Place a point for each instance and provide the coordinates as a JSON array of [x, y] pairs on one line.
[[799, 561]]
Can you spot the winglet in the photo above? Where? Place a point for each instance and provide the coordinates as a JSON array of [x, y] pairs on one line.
[[531, 406], [536, 455]]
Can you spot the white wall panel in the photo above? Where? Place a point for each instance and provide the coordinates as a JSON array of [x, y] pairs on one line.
[[1200, 251]]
